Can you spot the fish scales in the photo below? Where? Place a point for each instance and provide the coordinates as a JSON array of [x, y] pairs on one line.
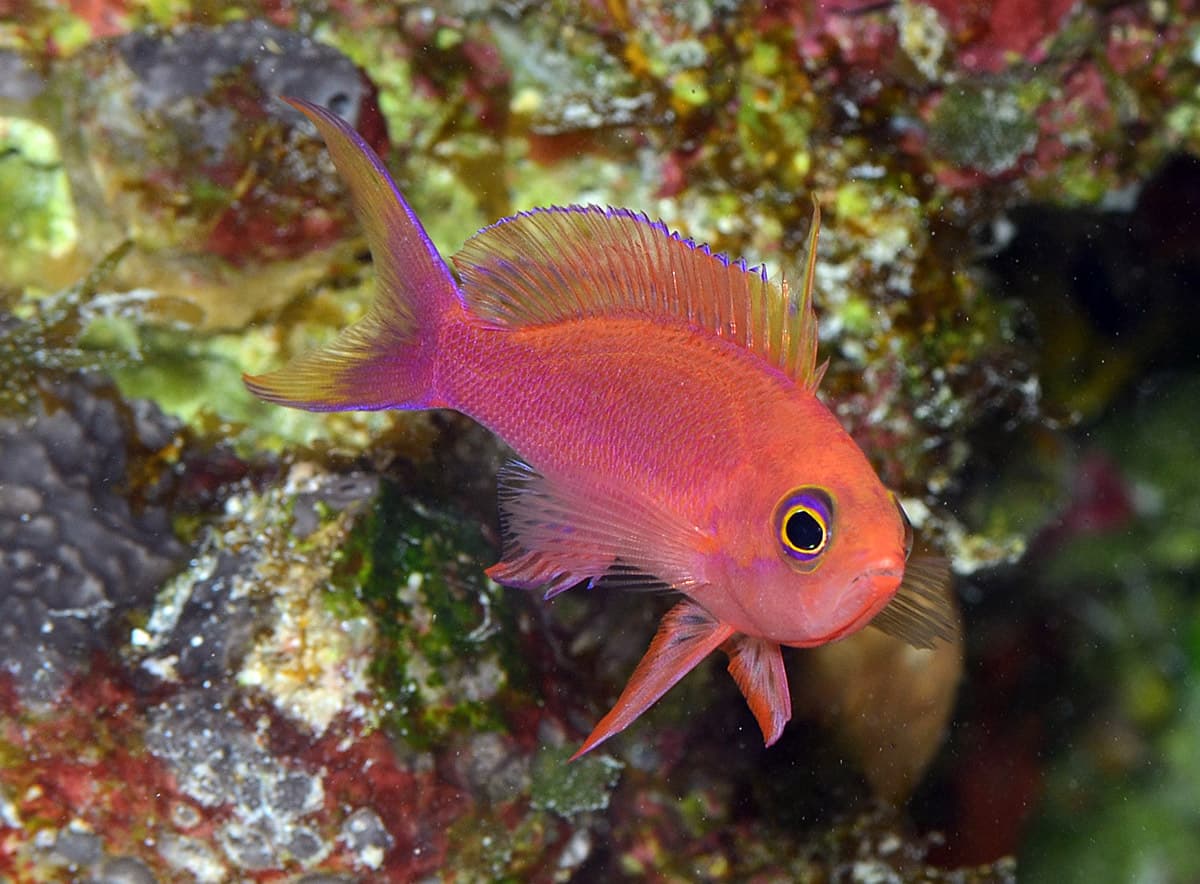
[[576, 393]]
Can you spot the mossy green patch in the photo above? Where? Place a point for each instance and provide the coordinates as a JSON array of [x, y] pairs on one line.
[[1155, 452], [487, 849], [42, 338], [37, 218], [1098, 827], [448, 172], [568, 788], [447, 651], [1121, 803], [982, 127], [198, 379]]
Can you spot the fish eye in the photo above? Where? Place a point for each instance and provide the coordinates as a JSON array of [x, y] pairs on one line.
[[803, 531], [908, 528], [803, 520]]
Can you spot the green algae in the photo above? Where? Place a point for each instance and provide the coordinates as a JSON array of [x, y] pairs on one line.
[[433, 155], [46, 337], [569, 788], [447, 653], [37, 217], [983, 127], [1154, 448], [488, 849], [198, 379], [1140, 825]]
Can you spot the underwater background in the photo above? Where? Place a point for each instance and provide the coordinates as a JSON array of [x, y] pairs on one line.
[[242, 643]]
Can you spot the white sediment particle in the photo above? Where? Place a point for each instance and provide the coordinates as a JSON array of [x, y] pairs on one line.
[[371, 857], [193, 856], [577, 850], [44, 839], [8, 813], [409, 592], [922, 36], [873, 872], [162, 668], [889, 844], [866, 172]]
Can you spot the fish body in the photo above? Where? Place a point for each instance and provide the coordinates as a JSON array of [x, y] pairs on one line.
[[573, 399], [662, 402]]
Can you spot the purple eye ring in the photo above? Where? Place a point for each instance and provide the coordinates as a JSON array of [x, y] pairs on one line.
[[803, 524]]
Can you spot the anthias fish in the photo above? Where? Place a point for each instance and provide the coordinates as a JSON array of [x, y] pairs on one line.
[[661, 399]]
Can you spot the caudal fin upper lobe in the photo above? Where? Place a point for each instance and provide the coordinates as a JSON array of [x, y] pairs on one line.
[[386, 359]]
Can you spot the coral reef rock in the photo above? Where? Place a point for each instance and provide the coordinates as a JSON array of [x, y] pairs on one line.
[[75, 552]]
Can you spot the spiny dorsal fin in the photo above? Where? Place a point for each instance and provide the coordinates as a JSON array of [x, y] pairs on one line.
[[561, 263]]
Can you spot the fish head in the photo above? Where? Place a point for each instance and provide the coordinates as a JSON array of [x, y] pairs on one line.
[[811, 545]]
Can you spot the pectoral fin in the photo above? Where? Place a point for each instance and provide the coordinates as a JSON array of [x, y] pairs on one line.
[[923, 612], [686, 636], [756, 664], [560, 531]]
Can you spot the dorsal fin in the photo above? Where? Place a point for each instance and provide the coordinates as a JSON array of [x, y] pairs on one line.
[[575, 262]]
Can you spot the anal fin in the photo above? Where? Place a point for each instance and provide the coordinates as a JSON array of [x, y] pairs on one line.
[[686, 636]]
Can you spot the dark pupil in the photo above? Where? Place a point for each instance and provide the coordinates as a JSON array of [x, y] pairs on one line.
[[803, 531]]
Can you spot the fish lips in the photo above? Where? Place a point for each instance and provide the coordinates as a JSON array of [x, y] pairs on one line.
[[869, 593]]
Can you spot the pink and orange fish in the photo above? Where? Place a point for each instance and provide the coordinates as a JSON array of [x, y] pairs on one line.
[[662, 401]]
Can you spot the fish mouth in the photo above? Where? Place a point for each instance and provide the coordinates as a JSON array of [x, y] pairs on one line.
[[879, 589], [869, 594]]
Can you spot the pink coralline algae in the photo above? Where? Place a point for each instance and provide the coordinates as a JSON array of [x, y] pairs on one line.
[[992, 34], [193, 787]]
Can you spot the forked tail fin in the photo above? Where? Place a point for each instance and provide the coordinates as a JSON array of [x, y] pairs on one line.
[[386, 359]]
